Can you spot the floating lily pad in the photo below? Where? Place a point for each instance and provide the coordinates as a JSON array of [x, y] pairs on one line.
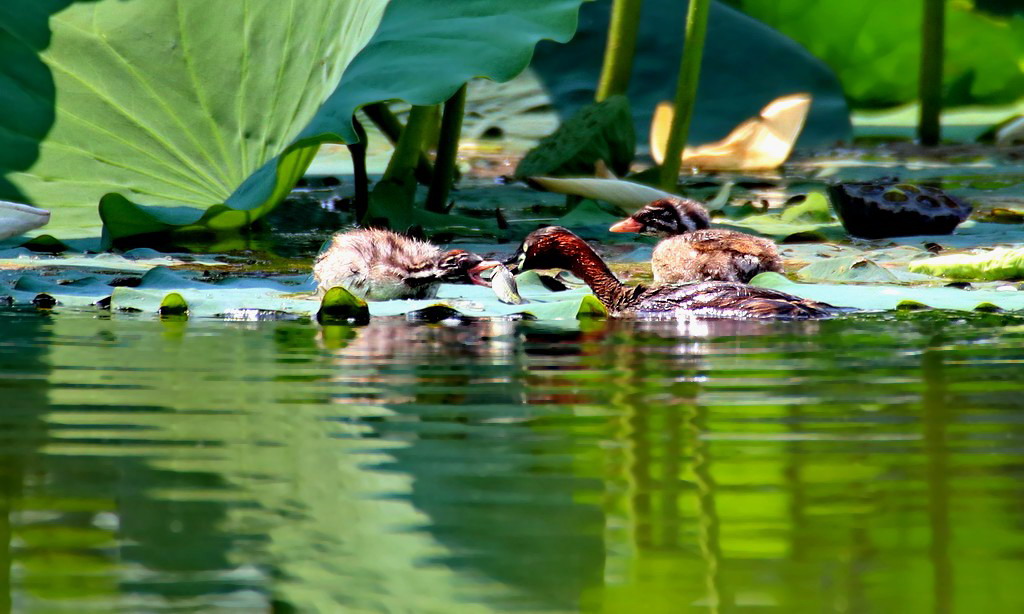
[[811, 220], [888, 296], [857, 268], [999, 263], [135, 260], [286, 296]]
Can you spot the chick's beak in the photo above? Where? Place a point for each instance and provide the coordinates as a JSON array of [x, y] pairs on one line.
[[474, 273], [626, 225]]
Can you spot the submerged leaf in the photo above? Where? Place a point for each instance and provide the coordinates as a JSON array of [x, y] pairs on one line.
[[760, 143], [997, 264]]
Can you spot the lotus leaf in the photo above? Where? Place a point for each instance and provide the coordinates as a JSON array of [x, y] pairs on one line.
[[153, 103], [292, 296], [746, 65], [884, 34], [424, 50], [149, 110], [887, 296], [999, 263]]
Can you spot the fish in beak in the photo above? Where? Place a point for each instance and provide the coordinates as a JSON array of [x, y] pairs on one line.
[[474, 273]]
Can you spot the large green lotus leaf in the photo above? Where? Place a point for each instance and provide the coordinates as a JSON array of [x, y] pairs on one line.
[[188, 107], [746, 65], [874, 47], [425, 50], [887, 296]]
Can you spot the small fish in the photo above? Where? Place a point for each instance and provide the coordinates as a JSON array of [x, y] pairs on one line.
[[504, 285]]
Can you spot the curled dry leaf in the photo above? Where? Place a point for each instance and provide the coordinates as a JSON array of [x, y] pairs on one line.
[[760, 143], [17, 218]]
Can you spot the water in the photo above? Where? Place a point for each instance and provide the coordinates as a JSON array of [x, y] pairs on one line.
[[857, 465]]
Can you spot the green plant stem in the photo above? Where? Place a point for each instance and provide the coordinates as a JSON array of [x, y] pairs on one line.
[[620, 48], [447, 150], [929, 128], [686, 90], [380, 114], [361, 199], [410, 145]]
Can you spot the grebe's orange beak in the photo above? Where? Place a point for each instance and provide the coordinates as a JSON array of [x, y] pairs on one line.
[[474, 273], [626, 225]]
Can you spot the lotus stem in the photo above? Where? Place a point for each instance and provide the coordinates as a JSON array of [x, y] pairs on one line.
[[410, 144], [447, 150], [387, 122], [929, 127], [686, 91], [361, 199], [620, 48]]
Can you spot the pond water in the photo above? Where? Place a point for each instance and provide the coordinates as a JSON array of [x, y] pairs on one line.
[[870, 464]]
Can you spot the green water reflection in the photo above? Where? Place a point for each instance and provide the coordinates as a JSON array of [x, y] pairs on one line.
[[869, 465]]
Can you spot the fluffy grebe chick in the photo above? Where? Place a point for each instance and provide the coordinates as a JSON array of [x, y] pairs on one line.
[[381, 265], [555, 247], [692, 250]]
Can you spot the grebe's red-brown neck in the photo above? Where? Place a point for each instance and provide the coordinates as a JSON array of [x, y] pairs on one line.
[[555, 247]]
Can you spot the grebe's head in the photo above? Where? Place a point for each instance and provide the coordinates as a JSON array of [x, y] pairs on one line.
[[665, 218], [551, 247], [460, 266]]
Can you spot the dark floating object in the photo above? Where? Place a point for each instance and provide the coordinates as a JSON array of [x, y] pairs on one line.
[[44, 301], [127, 282], [435, 314], [884, 208]]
